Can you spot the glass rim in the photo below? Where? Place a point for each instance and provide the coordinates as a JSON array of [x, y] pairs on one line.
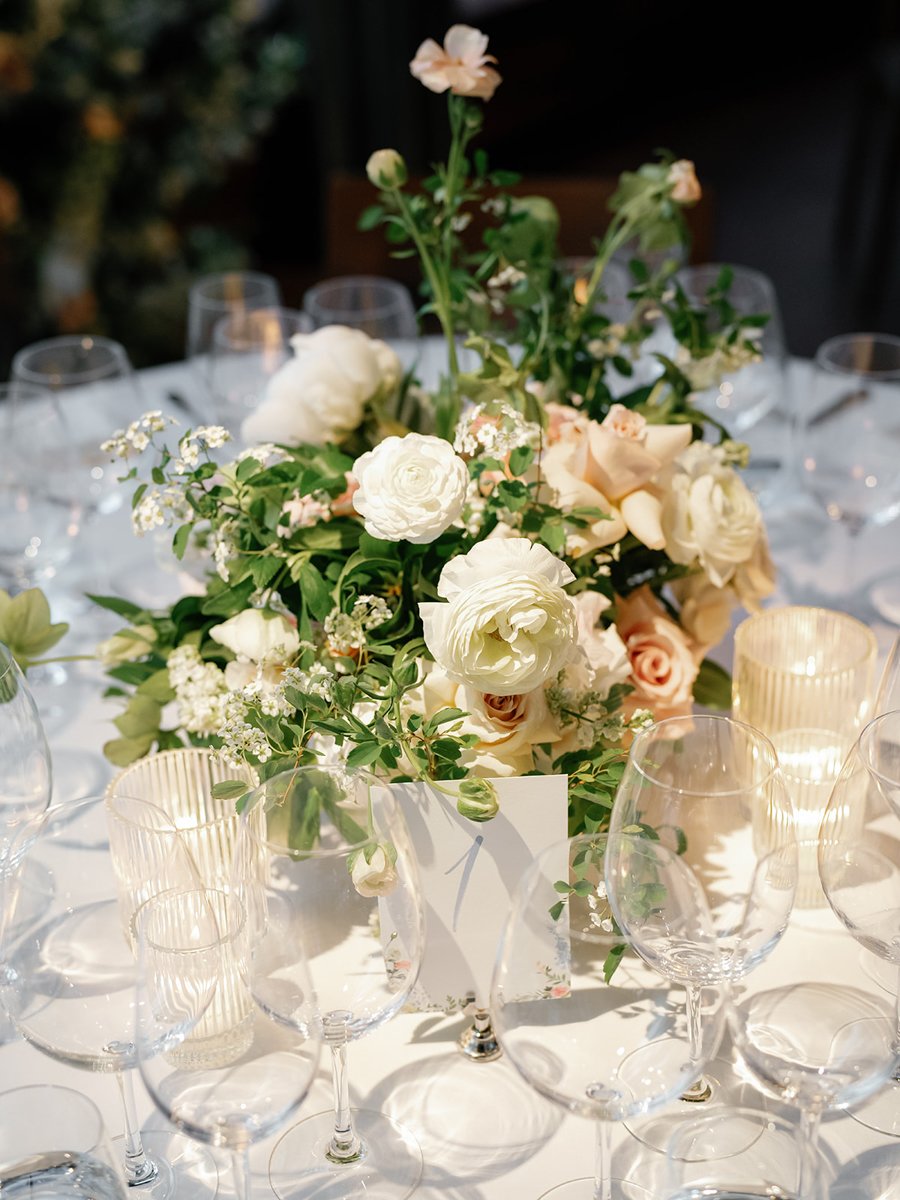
[[397, 294], [751, 274], [824, 363], [198, 295], [139, 918], [118, 358], [768, 615], [203, 753], [863, 745], [691, 721]]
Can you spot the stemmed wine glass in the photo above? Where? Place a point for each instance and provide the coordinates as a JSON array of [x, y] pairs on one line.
[[332, 871], [607, 1051], [859, 866], [380, 307], [847, 452], [813, 1031], [712, 790], [69, 970], [887, 697], [215, 297], [227, 1051], [26, 778]]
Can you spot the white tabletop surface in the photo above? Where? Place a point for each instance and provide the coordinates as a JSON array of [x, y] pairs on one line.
[[484, 1133]]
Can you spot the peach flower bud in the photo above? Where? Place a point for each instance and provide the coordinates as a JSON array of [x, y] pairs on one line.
[[685, 185], [386, 169]]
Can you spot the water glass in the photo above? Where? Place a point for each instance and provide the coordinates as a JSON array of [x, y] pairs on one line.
[[97, 394], [804, 677], [741, 1153], [247, 349], [380, 307], [53, 1144], [213, 297], [742, 398]]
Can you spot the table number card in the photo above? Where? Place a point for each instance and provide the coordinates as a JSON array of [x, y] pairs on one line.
[[468, 871]]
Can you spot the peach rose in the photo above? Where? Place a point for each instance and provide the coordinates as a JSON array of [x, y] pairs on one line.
[[459, 65], [664, 661], [685, 184]]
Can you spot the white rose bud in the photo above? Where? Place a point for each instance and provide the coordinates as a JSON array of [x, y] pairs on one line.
[[373, 872], [126, 646], [258, 636], [477, 800], [410, 489], [508, 626], [386, 169]]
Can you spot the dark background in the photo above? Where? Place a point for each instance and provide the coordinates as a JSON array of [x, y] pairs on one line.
[[794, 126]]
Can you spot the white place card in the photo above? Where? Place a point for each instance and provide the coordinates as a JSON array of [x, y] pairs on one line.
[[469, 871]]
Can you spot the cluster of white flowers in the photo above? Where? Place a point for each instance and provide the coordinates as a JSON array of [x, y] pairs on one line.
[[598, 903], [134, 439], [500, 283], [610, 344], [346, 632], [240, 739], [223, 550], [204, 437], [159, 507], [200, 690], [267, 454], [317, 681], [471, 518], [585, 712], [494, 429]]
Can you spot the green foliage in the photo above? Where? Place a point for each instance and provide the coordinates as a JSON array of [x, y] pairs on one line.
[[26, 628]]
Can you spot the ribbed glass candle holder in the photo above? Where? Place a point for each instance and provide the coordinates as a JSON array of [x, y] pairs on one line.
[[804, 676]]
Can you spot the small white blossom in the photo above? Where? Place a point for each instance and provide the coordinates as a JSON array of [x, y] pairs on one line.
[[494, 430], [301, 512], [460, 222], [266, 454], [134, 439], [200, 690], [507, 277]]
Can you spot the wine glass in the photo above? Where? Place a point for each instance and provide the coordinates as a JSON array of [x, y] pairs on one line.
[[712, 790], [859, 865], [604, 1050], [214, 297], [813, 1031], [847, 451], [887, 696], [380, 307], [247, 349], [226, 1050], [69, 969], [333, 871], [53, 1143], [39, 486]]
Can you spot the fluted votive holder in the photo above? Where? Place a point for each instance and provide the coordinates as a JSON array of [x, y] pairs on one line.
[[804, 676]]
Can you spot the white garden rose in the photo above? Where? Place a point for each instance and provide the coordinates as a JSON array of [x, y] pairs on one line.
[[258, 636], [410, 488], [508, 625], [709, 514], [320, 394]]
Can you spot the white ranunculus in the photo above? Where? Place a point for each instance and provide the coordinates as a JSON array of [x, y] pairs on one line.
[[257, 636], [709, 514], [320, 394], [410, 488], [375, 877], [508, 626]]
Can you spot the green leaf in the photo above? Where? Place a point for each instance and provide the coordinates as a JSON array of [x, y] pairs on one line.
[[370, 217], [140, 718], [157, 686], [556, 910], [230, 600], [315, 591], [230, 789], [712, 687], [613, 958], [364, 754], [121, 752], [180, 541], [25, 625], [124, 608]]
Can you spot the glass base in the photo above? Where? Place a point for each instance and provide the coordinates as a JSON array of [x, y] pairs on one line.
[[185, 1169], [584, 1189], [880, 1112], [726, 1090], [390, 1169]]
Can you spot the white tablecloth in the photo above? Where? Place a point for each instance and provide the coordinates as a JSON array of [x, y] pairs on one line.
[[484, 1133]]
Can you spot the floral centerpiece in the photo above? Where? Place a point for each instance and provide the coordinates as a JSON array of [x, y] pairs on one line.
[[500, 575]]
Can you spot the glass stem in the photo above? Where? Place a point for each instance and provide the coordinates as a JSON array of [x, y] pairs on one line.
[[240, 1165], [603, 1163], [345, 1146], [808, 1134], [895, 1044], [701, 1090], [138, 1167]]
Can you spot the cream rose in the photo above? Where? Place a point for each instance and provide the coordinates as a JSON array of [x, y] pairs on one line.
[[705, 609], [386, 169], [508, 626], [460, 65], [663, 660], [410, 488], [320, 394], [709, 514], [507, 727], [258, 636]]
